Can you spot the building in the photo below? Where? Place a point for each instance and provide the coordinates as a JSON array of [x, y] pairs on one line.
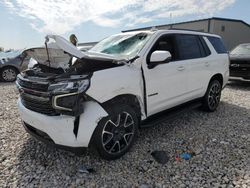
[[233, 32]]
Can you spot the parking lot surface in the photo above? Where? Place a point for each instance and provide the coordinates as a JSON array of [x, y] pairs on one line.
[[220, 142]]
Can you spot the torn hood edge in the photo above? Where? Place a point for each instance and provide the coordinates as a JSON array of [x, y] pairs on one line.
[[62, 44]]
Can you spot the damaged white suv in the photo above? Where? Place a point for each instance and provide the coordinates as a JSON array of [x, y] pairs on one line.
[[100, 98]]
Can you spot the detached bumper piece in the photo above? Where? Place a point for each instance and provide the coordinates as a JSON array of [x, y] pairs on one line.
[[43, 137]]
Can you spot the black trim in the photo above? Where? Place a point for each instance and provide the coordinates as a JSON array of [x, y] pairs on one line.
[[205, 47], [153, 94], [144, 92], [43, 137], [170, 113], [76, 125]]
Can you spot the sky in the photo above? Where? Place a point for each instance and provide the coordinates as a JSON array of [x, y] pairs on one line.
[[25, 23]]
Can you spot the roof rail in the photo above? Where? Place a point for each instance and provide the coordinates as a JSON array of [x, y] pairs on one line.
[[188, 30]]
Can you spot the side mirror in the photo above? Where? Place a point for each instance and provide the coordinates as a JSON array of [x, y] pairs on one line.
[[159, 57]]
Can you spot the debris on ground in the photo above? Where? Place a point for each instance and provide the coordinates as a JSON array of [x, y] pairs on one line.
[[86, 170], [185, 156], [160, 156]]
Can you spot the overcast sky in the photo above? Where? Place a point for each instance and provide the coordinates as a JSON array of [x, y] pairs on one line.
[[24, 23]]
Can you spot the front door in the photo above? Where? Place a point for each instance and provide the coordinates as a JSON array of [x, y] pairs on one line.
[[166, 84]]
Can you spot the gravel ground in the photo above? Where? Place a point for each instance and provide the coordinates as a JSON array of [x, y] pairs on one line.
[[221, 141]]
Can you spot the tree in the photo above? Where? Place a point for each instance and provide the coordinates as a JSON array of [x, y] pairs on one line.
[[1, 49]]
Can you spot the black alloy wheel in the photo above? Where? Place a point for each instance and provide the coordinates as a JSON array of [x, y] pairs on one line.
[[115, 133], [212, 97]]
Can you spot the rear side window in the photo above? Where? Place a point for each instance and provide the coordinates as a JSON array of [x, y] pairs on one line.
[[189, 47], [217, 44]]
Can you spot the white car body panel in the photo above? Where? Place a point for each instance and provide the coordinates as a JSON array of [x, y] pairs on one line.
[[163, 86], [109, 83], [66, 46], [60, 128]]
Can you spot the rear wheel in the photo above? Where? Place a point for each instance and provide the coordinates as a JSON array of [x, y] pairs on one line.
[[212, 97], [116, 133], [8, 74]]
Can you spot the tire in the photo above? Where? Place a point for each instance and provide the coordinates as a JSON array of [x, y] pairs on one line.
[[212, 97], [116, 133], [8, 74]]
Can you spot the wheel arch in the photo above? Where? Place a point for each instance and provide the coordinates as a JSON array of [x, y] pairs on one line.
[[218, 77], [131, 100]]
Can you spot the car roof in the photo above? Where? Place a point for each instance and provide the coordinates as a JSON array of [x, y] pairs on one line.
[[171, 31]]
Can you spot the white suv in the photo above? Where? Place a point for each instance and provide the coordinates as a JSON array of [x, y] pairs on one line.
[[74, 99]]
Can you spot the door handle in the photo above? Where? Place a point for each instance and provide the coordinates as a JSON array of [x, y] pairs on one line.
[[207, 64], [180, 68]]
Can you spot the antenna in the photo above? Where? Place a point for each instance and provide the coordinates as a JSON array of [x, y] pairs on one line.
[[170, 19]]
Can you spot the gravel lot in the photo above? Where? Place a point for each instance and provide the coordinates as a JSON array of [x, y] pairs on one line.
[[221, 141]]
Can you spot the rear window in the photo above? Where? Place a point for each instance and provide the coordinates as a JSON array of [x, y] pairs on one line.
[[217, 44], [189, 47]]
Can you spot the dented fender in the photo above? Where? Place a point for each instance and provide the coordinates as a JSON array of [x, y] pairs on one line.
[[110, 83]]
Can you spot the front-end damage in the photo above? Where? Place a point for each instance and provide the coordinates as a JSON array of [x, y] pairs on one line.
[[54, 97], [60, 129]]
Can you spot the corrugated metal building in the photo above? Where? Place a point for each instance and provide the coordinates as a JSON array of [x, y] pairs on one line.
[[232, 31]]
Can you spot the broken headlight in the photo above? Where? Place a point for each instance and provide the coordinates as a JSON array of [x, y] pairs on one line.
[[68, 95], [78, 86]]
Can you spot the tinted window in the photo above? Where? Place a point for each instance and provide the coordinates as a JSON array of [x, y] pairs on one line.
[[218, 45], [189, 47], [166, 43], [204, 46]]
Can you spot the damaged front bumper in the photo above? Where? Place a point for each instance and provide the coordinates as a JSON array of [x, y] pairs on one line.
[[53, 98], [65, 130]]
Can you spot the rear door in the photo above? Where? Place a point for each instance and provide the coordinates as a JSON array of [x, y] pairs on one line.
[[193, 51]]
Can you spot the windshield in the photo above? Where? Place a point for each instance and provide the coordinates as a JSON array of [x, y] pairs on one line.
[[125, 45], [243, 49]]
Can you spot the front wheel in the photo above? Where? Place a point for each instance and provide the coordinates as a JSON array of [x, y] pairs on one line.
[[212, 97], [116, 133]]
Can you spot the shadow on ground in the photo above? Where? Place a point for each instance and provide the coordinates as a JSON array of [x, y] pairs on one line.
[[242, 85]]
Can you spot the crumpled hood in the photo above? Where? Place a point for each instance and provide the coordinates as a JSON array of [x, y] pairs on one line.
[[61, 51]]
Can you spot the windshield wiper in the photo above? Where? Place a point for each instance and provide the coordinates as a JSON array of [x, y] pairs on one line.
[[127, 62]]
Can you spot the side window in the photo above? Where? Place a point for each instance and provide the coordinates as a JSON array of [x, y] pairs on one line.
[[167, 43], [189, 47], [204, 46], [217, 44]]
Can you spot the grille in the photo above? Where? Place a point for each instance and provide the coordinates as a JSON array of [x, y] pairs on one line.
[[41, 105], [38, 86]]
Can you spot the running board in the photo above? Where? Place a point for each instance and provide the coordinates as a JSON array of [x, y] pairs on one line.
[[169, 114]]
